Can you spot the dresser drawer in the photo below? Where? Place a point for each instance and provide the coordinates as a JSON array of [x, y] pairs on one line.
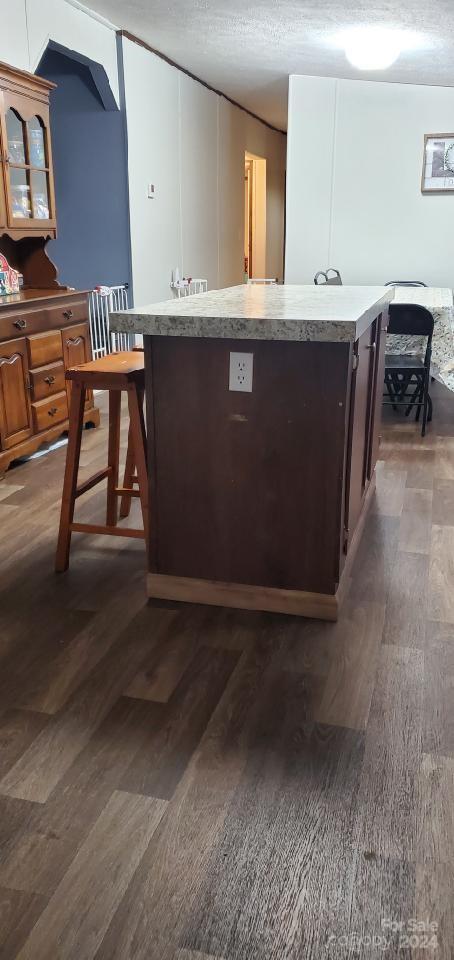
[[50, 411], [67, 313], [48, 380], [44, 348], [30, 320]]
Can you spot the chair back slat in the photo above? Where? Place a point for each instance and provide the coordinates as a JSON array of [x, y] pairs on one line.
[[410, 319], [335, 281], [405, 283]]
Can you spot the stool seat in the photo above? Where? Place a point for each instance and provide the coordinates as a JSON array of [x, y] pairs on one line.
[[112, 372], [115, 372]]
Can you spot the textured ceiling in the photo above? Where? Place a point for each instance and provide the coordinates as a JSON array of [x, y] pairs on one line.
[[248, 50]]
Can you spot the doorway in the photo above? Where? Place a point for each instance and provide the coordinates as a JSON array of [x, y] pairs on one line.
[[254, 216]]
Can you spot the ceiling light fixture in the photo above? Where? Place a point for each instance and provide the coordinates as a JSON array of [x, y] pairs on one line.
[[374, 48]]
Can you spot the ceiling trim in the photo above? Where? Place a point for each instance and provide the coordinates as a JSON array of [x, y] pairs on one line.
[[172, 63]]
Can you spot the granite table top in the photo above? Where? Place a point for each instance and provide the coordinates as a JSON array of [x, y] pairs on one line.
[[439, 300], [268, 312]]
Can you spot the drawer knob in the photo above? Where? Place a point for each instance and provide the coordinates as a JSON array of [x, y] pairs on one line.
[[67, 314], [49, 380], [20, 324], [52, 411]]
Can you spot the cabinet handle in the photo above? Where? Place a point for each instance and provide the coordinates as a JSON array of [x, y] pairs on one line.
[[20, 324], [49, 380], [52, 411], [67, 314], [370, 346]]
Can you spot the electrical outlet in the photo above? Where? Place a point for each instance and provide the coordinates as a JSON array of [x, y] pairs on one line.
[[240, 376]]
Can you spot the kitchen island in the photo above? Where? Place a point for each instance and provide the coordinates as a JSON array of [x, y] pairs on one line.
[[263, 417]]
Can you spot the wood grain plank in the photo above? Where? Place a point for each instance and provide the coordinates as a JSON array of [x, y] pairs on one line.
[[383, 890], [42, 766], [434, 886], [406, 603], [371, 572], [406, 451], [77, 916], [7, 511], [268, 876], [18, 729], [390, 787], [415, 522], [158, 680], [444, 458], [355, 641], [58, 679], [441, 575], [157, 767], [8, 489], [390, 491], [19, 912], [36, 856], [167, 885], [436, 839], [443, 503], [22, 661], [438, 729], [194, 955]]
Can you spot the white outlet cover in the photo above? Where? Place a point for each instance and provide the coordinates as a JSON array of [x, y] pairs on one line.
[[240, 373]]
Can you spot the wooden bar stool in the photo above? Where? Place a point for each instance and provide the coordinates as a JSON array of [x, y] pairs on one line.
[[115, 373]]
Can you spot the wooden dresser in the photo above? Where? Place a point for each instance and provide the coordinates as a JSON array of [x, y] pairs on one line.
[[42, 332], [43, 329]]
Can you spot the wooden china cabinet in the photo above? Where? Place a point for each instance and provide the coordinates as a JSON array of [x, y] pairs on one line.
[[44, 328]]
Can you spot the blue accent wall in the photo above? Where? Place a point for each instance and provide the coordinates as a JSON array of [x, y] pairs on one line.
[[90, 169]]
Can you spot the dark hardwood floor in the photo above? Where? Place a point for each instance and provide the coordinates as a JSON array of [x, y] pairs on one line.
[[189, 783]]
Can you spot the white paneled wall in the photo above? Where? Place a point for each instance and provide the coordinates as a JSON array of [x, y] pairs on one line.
[[152, 95], [28, 25], [199, 180], [183, 138], [13, 34], [354, 201], [190, 143]]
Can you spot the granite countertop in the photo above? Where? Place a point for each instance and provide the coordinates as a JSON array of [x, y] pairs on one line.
[[254, 312]]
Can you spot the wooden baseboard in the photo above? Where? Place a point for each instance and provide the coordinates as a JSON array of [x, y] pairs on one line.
[[319, 606], [243, 596]]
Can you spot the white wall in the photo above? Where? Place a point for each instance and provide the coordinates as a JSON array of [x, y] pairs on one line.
[[354, 163], [28, 25], [190, 143], [185, 139]]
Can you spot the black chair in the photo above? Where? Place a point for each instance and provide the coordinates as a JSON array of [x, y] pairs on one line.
[[335, 281], [407, 377], [405, 283]]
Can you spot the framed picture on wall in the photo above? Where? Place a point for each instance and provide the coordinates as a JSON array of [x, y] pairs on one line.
[[438, 163]]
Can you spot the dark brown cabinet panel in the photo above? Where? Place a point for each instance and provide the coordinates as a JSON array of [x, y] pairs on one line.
[[382, 326], [361, 406], [15, 412]]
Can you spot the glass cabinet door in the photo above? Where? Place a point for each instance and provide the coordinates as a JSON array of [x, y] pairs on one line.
[[2, 170], [27, 165]]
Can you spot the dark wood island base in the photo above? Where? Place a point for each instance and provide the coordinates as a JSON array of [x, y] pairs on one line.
[[258, 497]]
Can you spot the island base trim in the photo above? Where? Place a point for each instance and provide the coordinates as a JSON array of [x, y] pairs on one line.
[[241, 596]]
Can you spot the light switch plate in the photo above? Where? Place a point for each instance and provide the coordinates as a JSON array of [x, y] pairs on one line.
[[240, 375]]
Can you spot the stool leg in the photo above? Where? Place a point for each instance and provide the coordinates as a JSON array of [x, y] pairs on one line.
[[76, 419], [113, 456], [140, 450], [125, 503]]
